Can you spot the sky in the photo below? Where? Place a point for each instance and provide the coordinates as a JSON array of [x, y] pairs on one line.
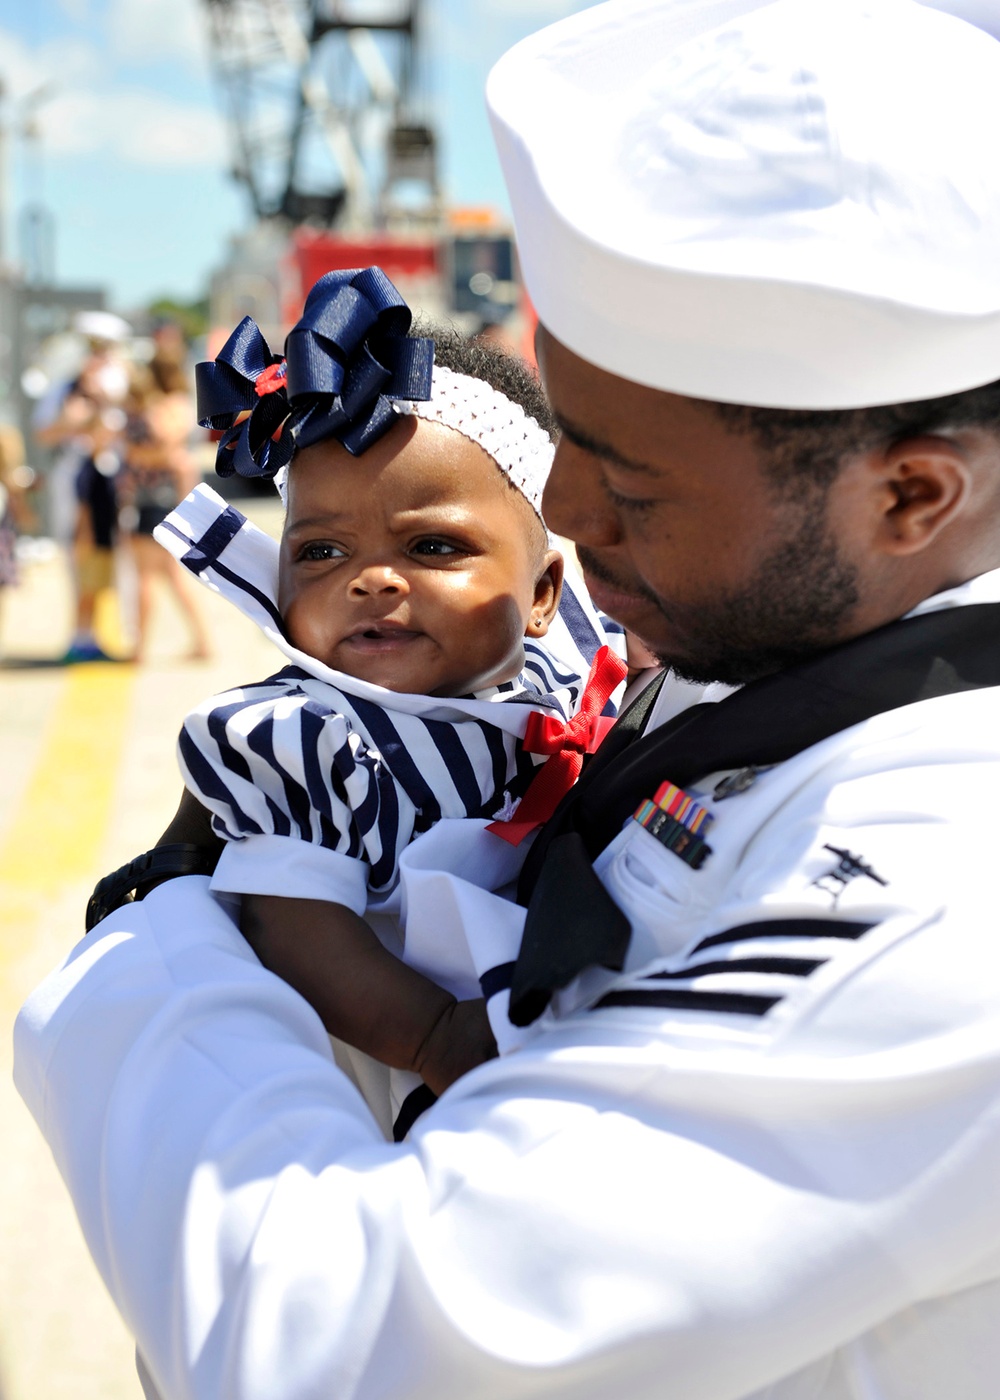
[[131, 153]]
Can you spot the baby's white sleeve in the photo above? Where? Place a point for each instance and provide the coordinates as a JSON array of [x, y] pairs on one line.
[[292, 790]]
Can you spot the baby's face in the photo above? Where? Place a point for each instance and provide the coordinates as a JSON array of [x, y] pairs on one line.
[[413, 566]]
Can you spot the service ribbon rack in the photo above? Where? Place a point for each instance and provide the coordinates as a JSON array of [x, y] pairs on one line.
[[677, 821]]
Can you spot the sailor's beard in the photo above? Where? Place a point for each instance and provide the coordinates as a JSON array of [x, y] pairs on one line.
[[794, 605]]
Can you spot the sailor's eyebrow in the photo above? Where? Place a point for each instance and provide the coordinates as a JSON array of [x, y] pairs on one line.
[[604, 450]]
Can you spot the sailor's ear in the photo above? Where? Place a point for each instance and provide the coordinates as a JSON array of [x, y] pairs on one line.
[[926, 483], [548, 591]]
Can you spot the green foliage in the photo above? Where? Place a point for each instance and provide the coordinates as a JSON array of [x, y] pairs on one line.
[[191, 316]]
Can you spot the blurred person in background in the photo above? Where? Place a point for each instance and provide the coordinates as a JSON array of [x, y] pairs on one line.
[[169, 341], [95, 528], [83, 420], [159, 472], [16, 514]]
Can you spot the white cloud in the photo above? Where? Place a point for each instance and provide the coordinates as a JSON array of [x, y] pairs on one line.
[[62, 63], [147, 31], [85, 111], [142, 128], [22, 70], [77, 10]]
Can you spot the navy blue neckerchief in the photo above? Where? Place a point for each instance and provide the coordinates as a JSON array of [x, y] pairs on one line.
[[572, 921]]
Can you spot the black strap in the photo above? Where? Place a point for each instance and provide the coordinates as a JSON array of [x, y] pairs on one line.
[[134, 879], [571, 924], [769, 721], [418, 1101]]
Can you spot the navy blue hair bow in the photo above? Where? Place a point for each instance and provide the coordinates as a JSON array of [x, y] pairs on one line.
[[348, 357], [245, 378]]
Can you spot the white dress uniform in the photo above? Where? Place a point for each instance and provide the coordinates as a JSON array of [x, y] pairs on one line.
[[762, 1161], [711, 1200]]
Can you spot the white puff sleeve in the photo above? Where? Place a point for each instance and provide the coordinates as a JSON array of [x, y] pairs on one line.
[[306, 807]]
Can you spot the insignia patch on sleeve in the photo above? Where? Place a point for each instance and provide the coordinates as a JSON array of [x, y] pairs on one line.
[[848, 867]]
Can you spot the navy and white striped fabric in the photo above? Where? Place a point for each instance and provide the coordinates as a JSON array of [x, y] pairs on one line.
[[318, 780]]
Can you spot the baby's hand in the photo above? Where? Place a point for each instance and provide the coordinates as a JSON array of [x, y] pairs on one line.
[[460, 1040]]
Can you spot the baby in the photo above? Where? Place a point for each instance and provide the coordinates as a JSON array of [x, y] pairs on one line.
[[414, 585]]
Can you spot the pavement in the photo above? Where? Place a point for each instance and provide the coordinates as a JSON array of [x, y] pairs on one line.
[[88, 779]]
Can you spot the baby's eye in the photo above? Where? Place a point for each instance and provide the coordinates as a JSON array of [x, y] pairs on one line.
[[318, 550], [436, 548]]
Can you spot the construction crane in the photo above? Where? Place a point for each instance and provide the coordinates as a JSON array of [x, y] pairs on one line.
[[331, 141], [322, 103]]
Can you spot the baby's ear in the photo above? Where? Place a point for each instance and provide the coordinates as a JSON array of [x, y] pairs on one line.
[[548, 591]]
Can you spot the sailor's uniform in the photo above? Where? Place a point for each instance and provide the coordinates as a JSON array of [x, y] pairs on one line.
[[781, 1120]]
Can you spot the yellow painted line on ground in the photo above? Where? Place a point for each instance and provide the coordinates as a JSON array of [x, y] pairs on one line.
[[61, 823]]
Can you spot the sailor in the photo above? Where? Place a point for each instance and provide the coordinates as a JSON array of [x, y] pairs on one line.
[[749, 1141]]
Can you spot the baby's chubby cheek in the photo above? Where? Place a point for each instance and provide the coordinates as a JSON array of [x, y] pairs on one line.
[[303, 626], [495, 638]]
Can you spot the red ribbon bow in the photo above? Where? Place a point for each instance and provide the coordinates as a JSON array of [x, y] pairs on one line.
[[566, 741]]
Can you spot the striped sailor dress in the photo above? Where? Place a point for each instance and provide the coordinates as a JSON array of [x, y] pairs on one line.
[[319, 782]]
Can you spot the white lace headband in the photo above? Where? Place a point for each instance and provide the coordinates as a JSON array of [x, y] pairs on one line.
[[520, 447]]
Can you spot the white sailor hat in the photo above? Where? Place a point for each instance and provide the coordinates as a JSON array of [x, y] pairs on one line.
[[984, 13], [102, 325], [792, 205]]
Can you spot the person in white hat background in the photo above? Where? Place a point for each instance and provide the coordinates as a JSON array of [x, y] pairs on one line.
[[82, 420], [746, 1140]]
